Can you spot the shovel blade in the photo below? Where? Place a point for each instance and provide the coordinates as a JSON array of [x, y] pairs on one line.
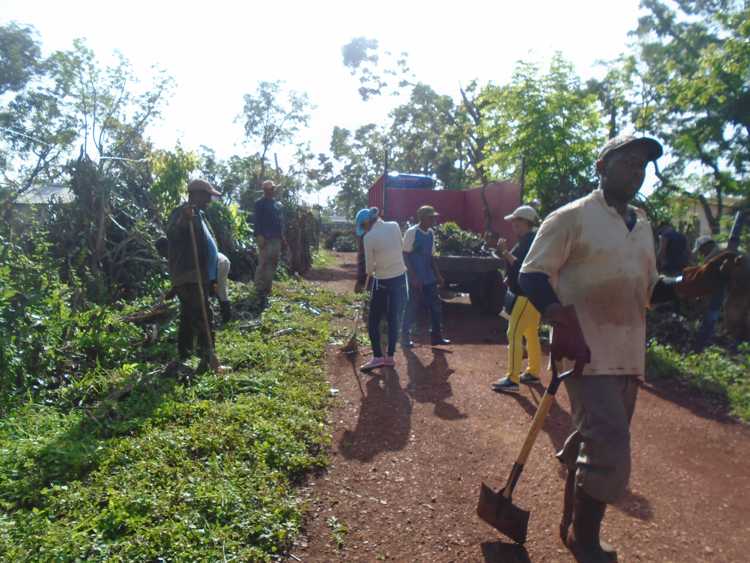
[[500, 513]]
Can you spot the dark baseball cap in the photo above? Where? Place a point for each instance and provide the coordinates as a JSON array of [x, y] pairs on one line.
[[616, 143], [202, 186]]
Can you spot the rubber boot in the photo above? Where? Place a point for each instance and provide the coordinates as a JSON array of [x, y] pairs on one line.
[[568, 500], [226, 311], [583, 539]]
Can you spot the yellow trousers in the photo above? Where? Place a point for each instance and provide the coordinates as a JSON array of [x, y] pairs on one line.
[[524, 324]]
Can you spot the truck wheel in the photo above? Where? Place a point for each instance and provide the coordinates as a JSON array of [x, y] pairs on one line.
[[476, 295]]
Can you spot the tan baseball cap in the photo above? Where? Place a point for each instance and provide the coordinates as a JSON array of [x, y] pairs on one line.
[[269, 184], [426, 211], [202, 186], [525, 212]]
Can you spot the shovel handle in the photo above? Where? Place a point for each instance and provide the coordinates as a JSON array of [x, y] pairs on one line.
[[213, 361], [536, 425]]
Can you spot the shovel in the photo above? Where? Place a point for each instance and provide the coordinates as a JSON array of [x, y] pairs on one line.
[[497, 508]]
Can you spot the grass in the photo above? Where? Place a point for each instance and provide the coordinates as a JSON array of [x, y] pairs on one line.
[[339, 530], [323, 258], [712, 371], [131, 464]]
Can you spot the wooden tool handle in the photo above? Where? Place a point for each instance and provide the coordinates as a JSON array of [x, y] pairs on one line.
[[212, 357], [536, 426]]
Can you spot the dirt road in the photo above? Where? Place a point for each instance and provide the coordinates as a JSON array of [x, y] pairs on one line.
[[408, 458]]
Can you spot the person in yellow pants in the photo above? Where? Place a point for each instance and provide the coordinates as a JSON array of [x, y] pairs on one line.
[[524, 317]]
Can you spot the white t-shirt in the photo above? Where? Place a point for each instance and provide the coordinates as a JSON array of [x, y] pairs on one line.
[[384, 252], [607, 272]]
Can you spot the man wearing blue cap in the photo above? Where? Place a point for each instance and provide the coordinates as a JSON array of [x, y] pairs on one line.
[[384, 262]]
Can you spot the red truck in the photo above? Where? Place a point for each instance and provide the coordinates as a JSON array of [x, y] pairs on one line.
[[478, 276]]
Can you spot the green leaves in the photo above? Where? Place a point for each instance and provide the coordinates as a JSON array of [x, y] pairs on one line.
[[551, 123], [711, 371], [693, 72], [128, 464]]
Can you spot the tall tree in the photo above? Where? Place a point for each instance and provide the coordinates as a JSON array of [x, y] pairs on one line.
[[424, 137], [378, 73], [551, 124], [20, 56], [273, 118], [694, 60], [358, 158]]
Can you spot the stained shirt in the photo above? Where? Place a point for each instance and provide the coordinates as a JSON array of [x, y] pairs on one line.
[[607, 271], [419, 247]]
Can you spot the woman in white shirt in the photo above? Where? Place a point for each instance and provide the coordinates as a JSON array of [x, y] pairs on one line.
[[384, 262]]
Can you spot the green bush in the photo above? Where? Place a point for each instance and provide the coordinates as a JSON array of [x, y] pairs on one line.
[[129, 464], [713, 371], [341, 241], [452, 240]]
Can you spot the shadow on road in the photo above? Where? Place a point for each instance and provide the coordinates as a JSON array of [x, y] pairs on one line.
[[384, 421], [636, 506], [429, 383], [705, 405], [557, 424], [503, 552], [465, 324]]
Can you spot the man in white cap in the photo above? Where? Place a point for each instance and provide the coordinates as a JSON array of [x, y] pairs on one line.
[[185, 272], [524, 317], [269, 234]]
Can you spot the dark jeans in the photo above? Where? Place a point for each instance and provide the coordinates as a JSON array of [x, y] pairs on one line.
[[388, 298], [708, 324], [430, 299], [191, 321]]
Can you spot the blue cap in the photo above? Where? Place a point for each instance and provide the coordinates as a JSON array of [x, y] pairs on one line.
[[363, 216]]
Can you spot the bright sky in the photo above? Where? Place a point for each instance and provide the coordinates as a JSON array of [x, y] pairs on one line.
[[218, 50]]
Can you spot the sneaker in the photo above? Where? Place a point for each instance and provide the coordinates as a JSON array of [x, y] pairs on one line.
[[505, 385], [529, 378], [389, 362], [407, 343], [373, 364], [438, 340]]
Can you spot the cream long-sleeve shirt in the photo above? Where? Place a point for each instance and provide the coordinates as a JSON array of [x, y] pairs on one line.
[[384, 251]]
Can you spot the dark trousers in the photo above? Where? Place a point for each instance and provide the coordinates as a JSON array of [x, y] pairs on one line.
[[708, 324], [388, 298], [428, 295], [191, 321]]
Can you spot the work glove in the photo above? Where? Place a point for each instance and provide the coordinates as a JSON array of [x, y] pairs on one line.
[[699, 281], [568, 341]]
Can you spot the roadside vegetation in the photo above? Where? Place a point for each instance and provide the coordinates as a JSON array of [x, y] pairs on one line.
[[133, 462], [109, 452], [720, 374]]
